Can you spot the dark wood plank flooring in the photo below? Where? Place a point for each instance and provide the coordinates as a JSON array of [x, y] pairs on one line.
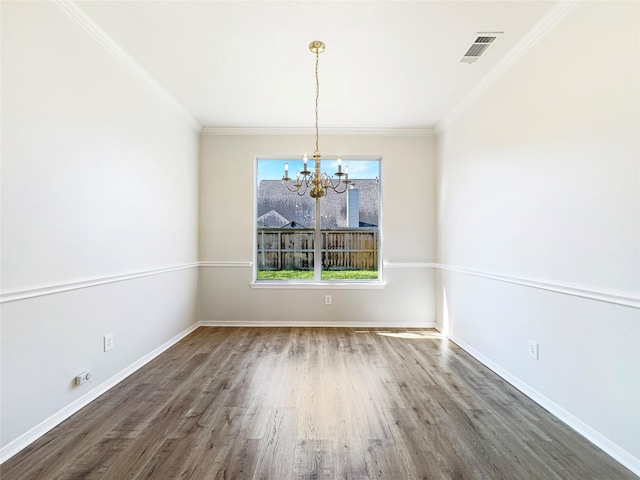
[[312, 403]]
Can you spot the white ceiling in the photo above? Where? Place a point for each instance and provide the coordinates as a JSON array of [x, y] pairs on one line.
[[388, 64]]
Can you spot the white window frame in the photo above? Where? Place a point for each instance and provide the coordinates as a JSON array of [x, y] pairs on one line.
[[317, 283]]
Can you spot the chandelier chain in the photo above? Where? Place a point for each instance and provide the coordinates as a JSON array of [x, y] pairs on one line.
[[317, 152], [317, 182]]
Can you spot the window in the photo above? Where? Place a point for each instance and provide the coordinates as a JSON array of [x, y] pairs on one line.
[[288, 243]]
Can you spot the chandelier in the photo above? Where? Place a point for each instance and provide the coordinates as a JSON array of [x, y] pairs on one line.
[[317, 183]]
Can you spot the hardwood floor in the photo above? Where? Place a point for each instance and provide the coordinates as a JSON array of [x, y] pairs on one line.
[[312, 403]]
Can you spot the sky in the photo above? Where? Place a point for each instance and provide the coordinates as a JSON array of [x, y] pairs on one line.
[[274, 169]]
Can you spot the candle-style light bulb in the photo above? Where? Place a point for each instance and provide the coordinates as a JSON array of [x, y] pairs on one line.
[[304, 160], [339, 160], [286, 169]]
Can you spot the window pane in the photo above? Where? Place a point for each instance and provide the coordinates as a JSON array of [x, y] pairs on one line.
[[285, 254], [350, 225], [285, 224]]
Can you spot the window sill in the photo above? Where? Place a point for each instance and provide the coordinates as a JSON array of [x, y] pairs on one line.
[[335, 285]]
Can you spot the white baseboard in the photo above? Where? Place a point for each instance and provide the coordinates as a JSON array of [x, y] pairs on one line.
[[328, 323], [39, 430], [619, 454], [599, 440]]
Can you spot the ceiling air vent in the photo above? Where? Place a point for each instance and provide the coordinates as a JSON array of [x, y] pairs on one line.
[[479, 46]]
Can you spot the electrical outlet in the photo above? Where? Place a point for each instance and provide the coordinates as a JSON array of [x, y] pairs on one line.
[[327, 299], [108, 342], [83, 378], [533, 349]]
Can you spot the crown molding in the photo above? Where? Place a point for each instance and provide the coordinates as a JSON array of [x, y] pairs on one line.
[[559, 10], [88, 24], [374, 132]]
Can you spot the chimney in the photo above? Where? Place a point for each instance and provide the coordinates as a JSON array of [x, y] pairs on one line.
[[353, 208]]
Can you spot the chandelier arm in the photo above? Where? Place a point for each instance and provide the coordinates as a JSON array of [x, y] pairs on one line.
[[335, 189], [328, 182], [297, 189], [310, 179]]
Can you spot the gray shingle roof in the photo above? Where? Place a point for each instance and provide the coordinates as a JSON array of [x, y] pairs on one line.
[[273, 195]]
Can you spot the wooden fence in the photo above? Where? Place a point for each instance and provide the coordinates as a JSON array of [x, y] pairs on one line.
[[349, 249]]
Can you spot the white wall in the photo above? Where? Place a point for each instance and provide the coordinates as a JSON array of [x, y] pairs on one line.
[[99, 182], [539, 181], [227, 232]]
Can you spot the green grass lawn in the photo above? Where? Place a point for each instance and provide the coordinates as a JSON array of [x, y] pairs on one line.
[[326, 275]]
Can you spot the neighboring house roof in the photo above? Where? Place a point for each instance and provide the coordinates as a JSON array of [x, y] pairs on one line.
[[274, 196], [272, 219]]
